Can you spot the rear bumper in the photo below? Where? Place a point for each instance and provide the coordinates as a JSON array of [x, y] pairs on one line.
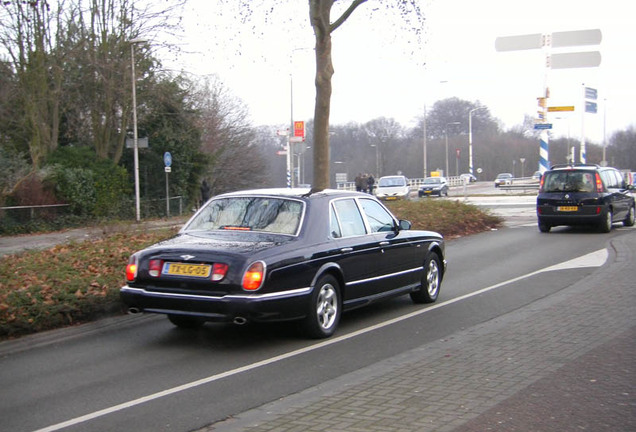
[[586, 215], [280, 306]]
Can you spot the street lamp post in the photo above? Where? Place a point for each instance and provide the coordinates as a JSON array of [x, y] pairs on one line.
[[424, 142], [133, 42], [470, 138], [446, 135], [290, 158]]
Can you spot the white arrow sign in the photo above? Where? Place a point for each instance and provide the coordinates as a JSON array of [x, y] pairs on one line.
[[574, 60], [554, 40], [576, 38]]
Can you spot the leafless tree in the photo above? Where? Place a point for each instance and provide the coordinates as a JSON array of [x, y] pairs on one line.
[[320, 17], [227, 140]]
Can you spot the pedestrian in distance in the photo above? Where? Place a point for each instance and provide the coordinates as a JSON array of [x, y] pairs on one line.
[[359, 182], [370, 184]]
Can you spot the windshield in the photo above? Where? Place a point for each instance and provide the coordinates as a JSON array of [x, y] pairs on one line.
[[433, 180], [266, 214], [391, 181], [569, 181]]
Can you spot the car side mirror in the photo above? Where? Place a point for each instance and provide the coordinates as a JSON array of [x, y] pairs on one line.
[[404, 225]]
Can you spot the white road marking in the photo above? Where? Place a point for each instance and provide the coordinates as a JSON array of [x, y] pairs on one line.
[[594, 259]]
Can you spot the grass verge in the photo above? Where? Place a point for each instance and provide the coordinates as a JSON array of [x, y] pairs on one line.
[[78, 282]]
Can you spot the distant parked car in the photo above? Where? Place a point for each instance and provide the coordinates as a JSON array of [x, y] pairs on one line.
[[579, 194], [468, 178], [392, 188], [503, 179], [433, 186], [281, 255]]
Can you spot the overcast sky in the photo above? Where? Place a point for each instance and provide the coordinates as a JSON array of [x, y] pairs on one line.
[[376, 74]]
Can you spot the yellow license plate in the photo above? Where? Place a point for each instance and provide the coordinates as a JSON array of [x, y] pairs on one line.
[[191, 270], [391, 198], [567, 208]]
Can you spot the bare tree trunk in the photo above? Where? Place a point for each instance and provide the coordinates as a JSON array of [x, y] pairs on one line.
[[324, 72], [320, 17]]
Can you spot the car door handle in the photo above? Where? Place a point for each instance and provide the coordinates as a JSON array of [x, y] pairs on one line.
[[347, 249], [384, 243]]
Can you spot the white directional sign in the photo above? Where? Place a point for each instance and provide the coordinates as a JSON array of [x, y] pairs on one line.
[[574, 60], [576, 38], [554, 40], [517, 43]]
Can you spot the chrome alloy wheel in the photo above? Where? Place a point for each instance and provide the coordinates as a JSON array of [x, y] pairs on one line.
[[327, 306], [432, 278]]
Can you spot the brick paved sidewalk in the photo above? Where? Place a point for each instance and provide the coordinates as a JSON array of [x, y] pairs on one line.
[[563, 363]]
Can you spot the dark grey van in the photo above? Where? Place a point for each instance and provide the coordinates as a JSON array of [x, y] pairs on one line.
[[580, 194]]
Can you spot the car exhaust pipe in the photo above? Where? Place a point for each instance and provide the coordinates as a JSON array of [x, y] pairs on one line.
[[240, 321], [133, 310]]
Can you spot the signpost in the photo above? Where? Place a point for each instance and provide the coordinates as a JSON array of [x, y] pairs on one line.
[[589, 96], [167, 161], [555, 61]]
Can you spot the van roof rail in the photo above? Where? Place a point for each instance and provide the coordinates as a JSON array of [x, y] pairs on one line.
[[574, 165]]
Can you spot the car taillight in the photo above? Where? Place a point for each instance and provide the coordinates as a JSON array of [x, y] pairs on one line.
[[131, 269], [254, 276], [541, 184], [599, 183], [154, 267], [219, 271]]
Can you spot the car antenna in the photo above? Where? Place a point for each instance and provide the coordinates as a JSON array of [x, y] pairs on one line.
[[312, 191]]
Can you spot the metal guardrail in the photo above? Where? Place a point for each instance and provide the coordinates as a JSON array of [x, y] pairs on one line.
[[31, 210], [414, 184]]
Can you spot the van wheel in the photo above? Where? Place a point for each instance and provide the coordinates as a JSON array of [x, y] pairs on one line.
[[606, 224], [629, 220], [544, 227]]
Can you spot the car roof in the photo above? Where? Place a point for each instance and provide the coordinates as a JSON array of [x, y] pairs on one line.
[[292, 193]]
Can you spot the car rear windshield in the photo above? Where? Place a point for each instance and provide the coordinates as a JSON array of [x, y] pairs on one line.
[[266, 214], [569, 181]]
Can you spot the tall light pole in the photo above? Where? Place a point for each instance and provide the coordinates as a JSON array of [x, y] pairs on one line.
[[446, 134], [470, 139], [424, 142], [133, 42], [290, 136]]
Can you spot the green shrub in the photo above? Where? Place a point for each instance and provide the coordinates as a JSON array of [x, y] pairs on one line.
[[91, 185]]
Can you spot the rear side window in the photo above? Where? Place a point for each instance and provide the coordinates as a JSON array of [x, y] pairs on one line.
[[349, 218], [612, 179]]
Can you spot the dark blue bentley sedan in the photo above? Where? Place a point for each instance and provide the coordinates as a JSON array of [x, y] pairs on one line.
[[284, 254]]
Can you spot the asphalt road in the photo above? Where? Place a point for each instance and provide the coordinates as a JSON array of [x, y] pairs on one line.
[[140, 373]]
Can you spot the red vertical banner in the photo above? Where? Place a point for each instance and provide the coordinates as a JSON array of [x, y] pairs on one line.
[[299, 129]]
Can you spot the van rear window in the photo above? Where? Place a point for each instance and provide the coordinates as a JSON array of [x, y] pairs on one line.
[[569, 181]]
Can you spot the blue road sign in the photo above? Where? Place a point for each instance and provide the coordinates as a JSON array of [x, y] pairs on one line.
[[167, 159], [591, 93], [543, 126], [591, 107]]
